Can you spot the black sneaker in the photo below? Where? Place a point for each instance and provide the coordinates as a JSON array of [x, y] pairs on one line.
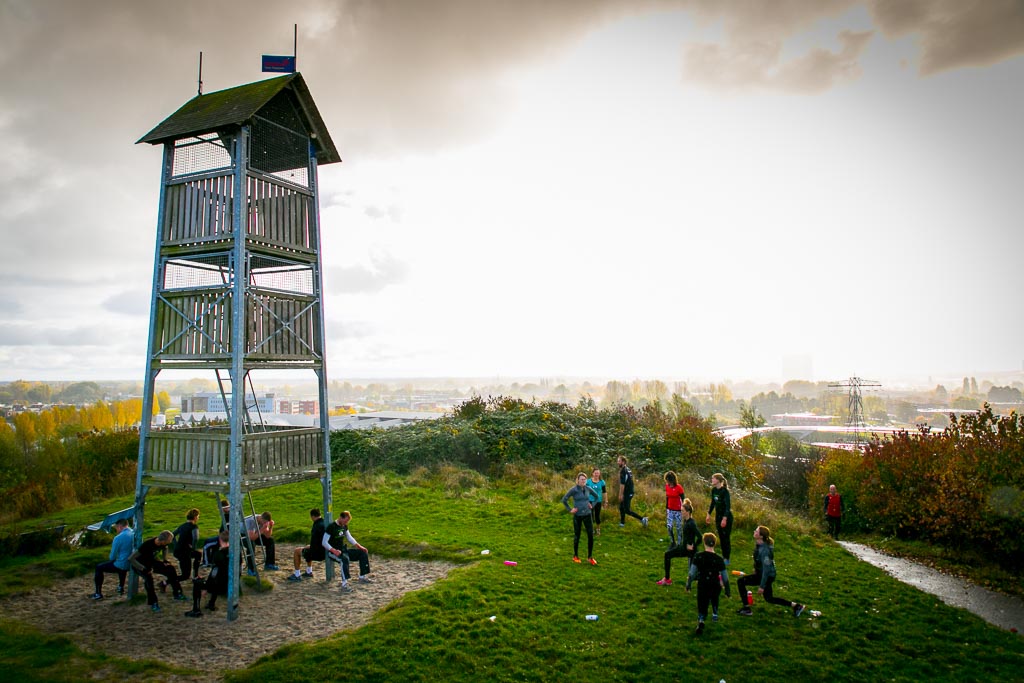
[[746, 612], [96, 596], [700, 628], [195, 613], [798, 609]]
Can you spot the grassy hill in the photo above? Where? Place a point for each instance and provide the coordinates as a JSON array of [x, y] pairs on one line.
[[872, 627]]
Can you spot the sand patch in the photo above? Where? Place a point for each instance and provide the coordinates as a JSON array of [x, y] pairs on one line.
[[291, 612]]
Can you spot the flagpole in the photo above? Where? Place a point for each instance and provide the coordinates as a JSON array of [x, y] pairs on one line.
[[200, 72], [295, 47]]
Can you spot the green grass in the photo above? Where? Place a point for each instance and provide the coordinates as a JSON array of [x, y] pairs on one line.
[[872, 628], [30, 655]]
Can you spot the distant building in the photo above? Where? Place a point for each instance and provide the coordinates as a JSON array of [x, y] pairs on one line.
[[293, 407], [213, 402], [801, 419]]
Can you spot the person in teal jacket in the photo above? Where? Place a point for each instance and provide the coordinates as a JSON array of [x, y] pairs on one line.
[[597, 485]]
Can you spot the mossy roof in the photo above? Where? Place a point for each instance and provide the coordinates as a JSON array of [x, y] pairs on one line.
[[236, 106]]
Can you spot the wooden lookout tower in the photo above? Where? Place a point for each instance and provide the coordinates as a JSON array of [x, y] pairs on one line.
[[237, 288]]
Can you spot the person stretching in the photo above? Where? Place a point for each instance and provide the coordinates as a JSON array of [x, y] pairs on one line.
[[687, 545], [764, 575]]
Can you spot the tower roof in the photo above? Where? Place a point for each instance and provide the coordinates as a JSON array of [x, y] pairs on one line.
[[236, 106]]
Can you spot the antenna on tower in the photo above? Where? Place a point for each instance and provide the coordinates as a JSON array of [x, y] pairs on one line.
[[200, 72], [855, 405]]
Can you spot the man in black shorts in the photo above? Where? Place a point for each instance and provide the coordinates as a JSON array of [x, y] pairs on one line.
[[312, 552]]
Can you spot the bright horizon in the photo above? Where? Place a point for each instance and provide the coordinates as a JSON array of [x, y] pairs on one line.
[[658, 190]]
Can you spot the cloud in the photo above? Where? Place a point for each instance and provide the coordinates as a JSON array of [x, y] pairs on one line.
[[382, 271], [955, 33], [40, 335], [346, 329], [949, 34], [9, 307], [133, 301], [759, 64], [392, 213]]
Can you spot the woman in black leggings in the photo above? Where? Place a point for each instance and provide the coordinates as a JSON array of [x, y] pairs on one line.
[[764, 575], [721, 504]]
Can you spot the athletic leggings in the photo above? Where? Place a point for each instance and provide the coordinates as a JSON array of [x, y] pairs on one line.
[[578, 521], [624, 509], [597, 514], [675, 551], [724, 540], [755, 580]]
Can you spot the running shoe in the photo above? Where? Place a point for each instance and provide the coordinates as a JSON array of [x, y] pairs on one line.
[[345, 588], [156, 608], [592, 561], [746, 612], [293, 577], [96, 596], [665, 582], [643, 521], [576, 559], [798, 609]]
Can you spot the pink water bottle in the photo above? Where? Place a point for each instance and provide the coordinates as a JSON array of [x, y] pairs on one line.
[[510, 563]]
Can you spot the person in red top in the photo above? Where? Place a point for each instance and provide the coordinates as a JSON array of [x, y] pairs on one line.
[[833, 511], [674, 507]]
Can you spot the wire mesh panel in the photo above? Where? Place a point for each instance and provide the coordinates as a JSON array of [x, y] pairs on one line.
[[267, 272], [196, 272], [279, 144], [201, 154]]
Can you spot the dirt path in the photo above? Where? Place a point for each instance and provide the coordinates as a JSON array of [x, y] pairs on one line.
[[1005, 611], [290, 612]]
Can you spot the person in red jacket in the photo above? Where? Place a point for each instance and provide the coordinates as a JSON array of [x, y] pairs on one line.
[[674, 508], [833, 511]]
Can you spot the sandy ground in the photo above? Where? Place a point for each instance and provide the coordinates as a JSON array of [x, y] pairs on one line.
[[288, 613]]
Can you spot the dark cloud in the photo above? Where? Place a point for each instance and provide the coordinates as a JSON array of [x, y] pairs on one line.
[[955, 33], [382, 271]]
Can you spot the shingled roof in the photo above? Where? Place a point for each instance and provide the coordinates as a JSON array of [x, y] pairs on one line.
[[236, 106]]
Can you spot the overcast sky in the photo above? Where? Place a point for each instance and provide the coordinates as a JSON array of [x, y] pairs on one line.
[[679, 189]]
